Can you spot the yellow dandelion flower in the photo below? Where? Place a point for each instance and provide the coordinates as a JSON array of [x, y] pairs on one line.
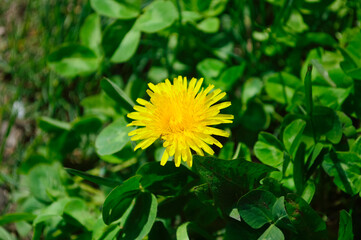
[[181, 116]]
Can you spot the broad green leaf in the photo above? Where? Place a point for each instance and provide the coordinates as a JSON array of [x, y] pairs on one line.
[[119, 199], [281, 86], [348, 128], [5, 235], [255, 118], [345, 168], [116, 9], [345, 227], [226, 151], [113, 138], [113, 35], [117, 94], [308, 223], [295, 23], [127, 47], [230, 76], [251, 88], [309, 192], [210, 68], [229, 179], [164, 180], [184, 231], [327, 123], [357, 97], [51, 125], [102, 231], [77, 213], [299, 168], [23, 228], [140, 220], [90, 33], [260, 207], [16, 217], [86, 124], [352, 59], [269, 150], [356, 147], [272, 233], [255, 208], [157, 16], [292, 135], [235, 229], [45, 182], [159, 231], [330, 85], [99, 105], [73, 60], [209, 25], [308, 91], [95, 179]]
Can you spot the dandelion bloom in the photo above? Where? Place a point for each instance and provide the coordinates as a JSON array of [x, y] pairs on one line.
[[181, 116]]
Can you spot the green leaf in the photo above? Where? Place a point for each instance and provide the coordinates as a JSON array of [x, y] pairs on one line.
[[292, 135], [251, 88], [356, 147], [90, 33], [157, 16], [127, 47], [229, 179], [357, 97], [269, 150], [45, 182], [52, 125], [308, 223], [345, 228], [309, 192], [255, 208], [308, 91], [73, 60], [5, 235], [159, 231], [327, 123], [299, 168], [281, 86], [345, 167], [86, 125], [113, 138], [235, 229], [209, 25], [113, 35], [77, 213], [95, 179], [16, 217], [255, 117], [210, 68], [272, 233], [295, 23], [119, 199], [140, 220], [260, 207], [117, 94], [230, 76], [184, 231], [116, 9], [164, 180]]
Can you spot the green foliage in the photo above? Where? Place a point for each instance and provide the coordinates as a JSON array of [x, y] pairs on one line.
[[291, 69]]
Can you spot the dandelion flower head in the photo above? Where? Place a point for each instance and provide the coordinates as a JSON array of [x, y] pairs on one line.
[[181, 115]]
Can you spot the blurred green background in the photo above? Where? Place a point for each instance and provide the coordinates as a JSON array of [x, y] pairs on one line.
[[54, 99]]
